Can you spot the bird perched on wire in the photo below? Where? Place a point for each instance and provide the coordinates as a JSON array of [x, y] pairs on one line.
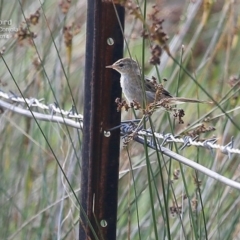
[[148, 91]]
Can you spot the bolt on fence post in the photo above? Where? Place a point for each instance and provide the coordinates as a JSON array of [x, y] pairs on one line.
[[100, 152]]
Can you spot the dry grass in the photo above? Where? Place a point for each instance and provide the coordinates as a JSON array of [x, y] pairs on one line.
[[36, 202]]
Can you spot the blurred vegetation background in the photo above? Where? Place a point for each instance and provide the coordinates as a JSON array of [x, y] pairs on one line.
[[161, 200]]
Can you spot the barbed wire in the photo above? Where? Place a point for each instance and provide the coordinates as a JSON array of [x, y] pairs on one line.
[[129, 129], [33, 102]]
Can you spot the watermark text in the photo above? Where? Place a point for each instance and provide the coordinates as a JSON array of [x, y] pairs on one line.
[[6, 29]]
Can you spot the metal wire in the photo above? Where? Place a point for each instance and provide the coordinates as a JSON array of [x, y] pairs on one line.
[[33, 102], [132, 127]]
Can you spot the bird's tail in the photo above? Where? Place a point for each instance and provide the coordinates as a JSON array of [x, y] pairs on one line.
[[180, 100]]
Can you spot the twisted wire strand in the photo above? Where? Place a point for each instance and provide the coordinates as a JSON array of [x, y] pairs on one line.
[[126, 127], [33, 102]]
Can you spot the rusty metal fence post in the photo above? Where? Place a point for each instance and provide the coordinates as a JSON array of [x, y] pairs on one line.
[[100, 155]]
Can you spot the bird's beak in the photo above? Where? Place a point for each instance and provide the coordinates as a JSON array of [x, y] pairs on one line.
[[111, 66]]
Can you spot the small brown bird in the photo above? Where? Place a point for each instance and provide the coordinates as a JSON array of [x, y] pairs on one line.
[[133, 87]]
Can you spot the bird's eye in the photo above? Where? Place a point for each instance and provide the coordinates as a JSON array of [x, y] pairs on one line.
[[121, 65]]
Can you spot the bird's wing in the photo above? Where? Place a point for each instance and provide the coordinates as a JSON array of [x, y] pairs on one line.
[[151, 88]]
